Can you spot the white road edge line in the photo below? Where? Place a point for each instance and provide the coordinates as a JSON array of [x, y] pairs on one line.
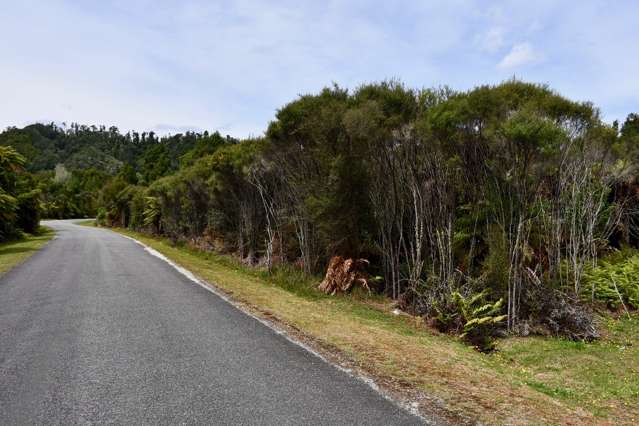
[[410, 407]]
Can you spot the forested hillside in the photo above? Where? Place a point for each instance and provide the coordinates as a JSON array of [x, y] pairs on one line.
[[504, 208], [70, 166]]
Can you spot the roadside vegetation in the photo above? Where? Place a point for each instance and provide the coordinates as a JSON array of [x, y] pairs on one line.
[[505, 217], [14, 252], [19, 200], [533, 380]]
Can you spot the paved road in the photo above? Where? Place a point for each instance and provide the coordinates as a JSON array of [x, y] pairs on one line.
[[93, 329]]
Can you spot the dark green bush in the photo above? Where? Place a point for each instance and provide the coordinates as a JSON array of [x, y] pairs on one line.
[[28, 214], [101, 217]]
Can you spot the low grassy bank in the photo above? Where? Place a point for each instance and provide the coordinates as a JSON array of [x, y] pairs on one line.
[[528, 381], [14, 252]]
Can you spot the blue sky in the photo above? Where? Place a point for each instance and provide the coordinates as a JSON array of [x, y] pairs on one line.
[[170, 66]]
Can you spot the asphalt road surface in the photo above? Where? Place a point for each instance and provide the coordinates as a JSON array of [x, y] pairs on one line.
[[93, 329]]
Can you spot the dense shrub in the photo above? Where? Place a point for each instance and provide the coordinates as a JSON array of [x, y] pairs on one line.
[[509, 192], [19, 202], [28, 213], [473, 317], [101, 217], [503, 192], [614, 283]]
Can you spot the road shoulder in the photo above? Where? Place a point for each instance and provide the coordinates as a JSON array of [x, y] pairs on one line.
[[13, 253], [444, 380]]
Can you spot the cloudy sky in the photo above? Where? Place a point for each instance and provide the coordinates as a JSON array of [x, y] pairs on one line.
[[175, 65]]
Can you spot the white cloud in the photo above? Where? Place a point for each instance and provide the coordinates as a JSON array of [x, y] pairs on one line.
[[492, 40], [214, 64], [520, 54]]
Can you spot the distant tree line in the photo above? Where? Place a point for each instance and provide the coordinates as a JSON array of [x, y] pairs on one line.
[[500, 205], [70, 165]]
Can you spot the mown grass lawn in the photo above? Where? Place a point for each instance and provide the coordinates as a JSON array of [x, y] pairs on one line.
[[532, 380], [14, 252], [602, 377]]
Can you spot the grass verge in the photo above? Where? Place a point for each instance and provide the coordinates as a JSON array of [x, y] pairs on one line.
[[528, 381], [14, 252]]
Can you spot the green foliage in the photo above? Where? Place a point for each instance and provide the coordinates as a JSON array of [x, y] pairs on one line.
[[438, 189], [613, 283], [19, 204], [127, 172], [8, 207], [495, 265], [101, 217], [213, 194], [155, 163], [10, 161], [112, 200], [137, 205], [630, 128], [151, 212], [84, 157], [473, 316], [206, 145], [28, 211]]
